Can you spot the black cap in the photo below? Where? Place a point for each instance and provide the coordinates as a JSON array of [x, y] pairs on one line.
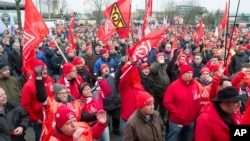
[[228, 94]]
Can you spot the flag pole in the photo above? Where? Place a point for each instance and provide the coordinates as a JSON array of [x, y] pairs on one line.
[[225, 55], [231, 34], [59, 49]]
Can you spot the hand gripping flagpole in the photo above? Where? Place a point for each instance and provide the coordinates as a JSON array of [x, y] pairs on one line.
[[59, 49]]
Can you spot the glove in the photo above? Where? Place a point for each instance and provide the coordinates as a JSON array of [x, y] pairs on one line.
[[39, 70]]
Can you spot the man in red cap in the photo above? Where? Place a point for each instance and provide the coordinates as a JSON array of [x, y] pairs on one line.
[[182, 100], [146, 77], [113, 54], [104, 59], [70, 54], [145, 116], [158, 70], [49, 52], [90, 58], [68, 129], [82, 69], [70, 79]]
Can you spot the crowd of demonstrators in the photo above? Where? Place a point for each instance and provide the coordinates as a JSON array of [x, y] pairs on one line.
[[182, 77]]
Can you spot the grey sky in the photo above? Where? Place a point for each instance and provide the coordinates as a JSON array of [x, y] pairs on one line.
[[211, 5]]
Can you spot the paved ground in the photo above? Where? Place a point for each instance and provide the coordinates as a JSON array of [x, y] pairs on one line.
[[30, 136]]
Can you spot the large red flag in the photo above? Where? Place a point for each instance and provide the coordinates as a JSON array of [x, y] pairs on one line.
[[147, 15], [143, 47], [34, 32], [119, 13], [200, 32], [224, 19], [104, 32], [71, 31]]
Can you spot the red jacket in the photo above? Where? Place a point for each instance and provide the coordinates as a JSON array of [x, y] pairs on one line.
[[29, 100], [213, 92], [182, 101], [210, 126], [73, 89], [129, 88]]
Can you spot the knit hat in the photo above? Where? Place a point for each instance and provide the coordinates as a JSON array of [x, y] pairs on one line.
[[248, 46], [77, 60], [3, 67], [103, 66], [186, 68], [88, 48], [204, 69], [143, 99], [69, 50], [111, 47], [39, 62], [228, 94], [52, 44], [144, 66], [67, 68], [63, 114], [159, 54], [57, 87], [104, 51], [241, 48]]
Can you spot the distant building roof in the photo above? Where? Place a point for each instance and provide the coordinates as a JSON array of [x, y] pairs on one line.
[[9, 6]]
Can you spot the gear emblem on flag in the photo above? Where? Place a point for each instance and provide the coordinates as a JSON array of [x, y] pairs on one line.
[[117, 17]]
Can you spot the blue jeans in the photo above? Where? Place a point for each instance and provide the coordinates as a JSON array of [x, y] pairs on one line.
[[37, 129], [105, 135], [175, 131], [122, 128]]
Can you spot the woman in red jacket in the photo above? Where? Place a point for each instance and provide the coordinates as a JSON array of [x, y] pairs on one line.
[[93, 101]]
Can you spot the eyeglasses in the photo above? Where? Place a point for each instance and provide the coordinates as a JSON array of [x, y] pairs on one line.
[[61, 93]]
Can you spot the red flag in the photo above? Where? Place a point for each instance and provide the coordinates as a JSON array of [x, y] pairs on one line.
[[34, 32], [224, 19], [200, 32], [104, 32], [147, 15], [71, 32], [144, 46], [119, 13]]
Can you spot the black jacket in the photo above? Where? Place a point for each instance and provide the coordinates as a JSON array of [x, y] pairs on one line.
[[14, 116]]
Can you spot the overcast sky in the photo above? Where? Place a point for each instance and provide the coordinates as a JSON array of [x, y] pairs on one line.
[[211, 5]]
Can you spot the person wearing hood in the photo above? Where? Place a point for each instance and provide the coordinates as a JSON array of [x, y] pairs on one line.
[[182, 100], [217, 117], [62, 96]]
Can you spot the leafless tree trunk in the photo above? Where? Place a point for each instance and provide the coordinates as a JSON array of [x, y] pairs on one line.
[[99, 6], [19, 21]]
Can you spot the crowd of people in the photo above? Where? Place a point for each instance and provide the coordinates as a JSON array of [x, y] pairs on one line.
[[180, 90]]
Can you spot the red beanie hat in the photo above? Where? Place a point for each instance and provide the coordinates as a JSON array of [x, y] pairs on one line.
[[248, 46], [67, 68], [104, 51], [204, 69], [39, 62], [88, 48], [103, 66], [241, 48], [144, 66], [111, 47], [159, 54], [186, 68], [52, 44], [143, 99], [69, 50], [63, 114], [77, 60]]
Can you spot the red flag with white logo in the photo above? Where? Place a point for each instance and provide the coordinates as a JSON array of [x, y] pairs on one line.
[[106, 31], [34, 32], [119, 13]]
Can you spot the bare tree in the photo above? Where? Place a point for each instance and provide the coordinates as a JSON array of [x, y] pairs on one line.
[[170, 9], [99, 6], [19, 22]]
